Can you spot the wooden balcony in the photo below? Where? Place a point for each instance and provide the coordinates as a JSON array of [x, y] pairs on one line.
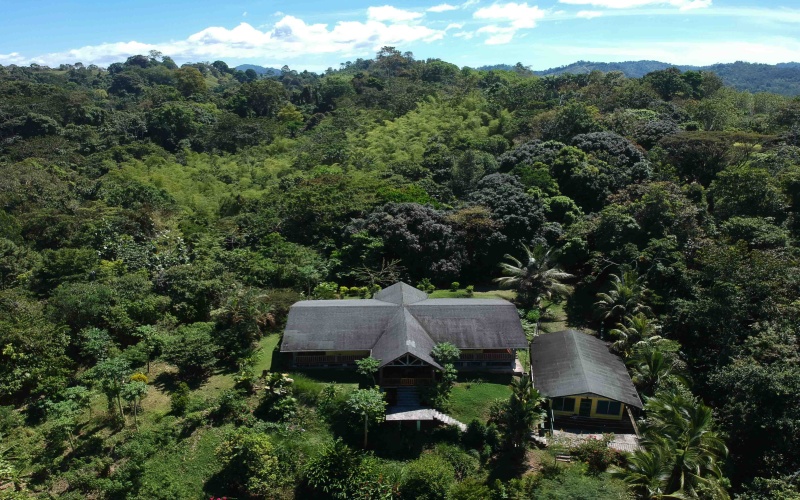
[[405, 382], [326, 360]]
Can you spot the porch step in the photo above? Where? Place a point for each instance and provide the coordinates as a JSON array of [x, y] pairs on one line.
[[447, 419], [408, 397]]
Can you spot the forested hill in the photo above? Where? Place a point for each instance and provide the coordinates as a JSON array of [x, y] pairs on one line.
[[158, 222], [781, 79], [260, 70]]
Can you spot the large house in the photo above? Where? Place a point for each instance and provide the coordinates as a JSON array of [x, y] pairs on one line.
[[580, 377], [400, 326]]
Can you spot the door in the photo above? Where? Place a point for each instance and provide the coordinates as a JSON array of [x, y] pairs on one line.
[[586, 408]]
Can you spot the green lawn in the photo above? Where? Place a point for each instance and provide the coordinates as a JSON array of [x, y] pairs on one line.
[[555, 319], [474, 393], [183, 468], [462, 294], [264, 361]]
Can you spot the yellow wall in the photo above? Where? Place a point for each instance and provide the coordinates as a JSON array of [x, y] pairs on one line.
[[593, 413]]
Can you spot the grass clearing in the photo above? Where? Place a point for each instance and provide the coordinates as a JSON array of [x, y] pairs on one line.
[[462, 294], [555, 319], [267, 345], [474, 393], [182, 470]]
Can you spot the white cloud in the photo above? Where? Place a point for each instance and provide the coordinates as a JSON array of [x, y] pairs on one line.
[[12, 58], [519, 14], [244, 14], [588, 14], [442, 8], [629, 4], [289, 40], [507, 19], [466, 35], [497, 35], [454, 26], [391, 14]]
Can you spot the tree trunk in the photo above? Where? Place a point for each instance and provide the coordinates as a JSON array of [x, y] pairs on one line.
[[366, 418], [121, 412], [135, 416]]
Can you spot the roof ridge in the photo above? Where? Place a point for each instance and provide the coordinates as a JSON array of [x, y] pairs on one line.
[[418, 322], [577, 347], [401, 294]]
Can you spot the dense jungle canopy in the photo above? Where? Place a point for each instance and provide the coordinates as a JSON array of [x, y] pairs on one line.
[[165, 214]]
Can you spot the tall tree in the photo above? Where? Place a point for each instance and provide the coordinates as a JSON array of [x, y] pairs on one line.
[[369, 404], [631, 331], [537, 279], [517, 416], [684, 426], [627, 296]]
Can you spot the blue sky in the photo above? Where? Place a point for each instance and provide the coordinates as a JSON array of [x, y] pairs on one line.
[[319, 34]]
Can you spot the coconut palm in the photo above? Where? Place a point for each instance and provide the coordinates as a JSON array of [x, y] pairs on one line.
[[537, 279], [633, 329], [647, 473], [650, 366], [684, 426], [626, 297], [520, 414]]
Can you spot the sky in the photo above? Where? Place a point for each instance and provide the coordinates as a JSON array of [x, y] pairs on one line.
[[318, 34]]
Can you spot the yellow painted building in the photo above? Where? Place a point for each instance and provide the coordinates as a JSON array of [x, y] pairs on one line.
[[587, 405], [581, 377]]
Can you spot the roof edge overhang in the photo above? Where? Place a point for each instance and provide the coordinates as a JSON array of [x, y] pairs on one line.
[[432, 362], [591, 395]]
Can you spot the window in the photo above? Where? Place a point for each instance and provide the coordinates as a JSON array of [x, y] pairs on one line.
[[608, 407], [563, 404]]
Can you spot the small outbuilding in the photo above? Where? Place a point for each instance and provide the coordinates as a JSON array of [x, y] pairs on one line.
[[581, 377]]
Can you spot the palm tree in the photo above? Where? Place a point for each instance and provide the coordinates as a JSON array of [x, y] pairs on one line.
[[650, 367], [635, 329], [517, 416], [647, 473], [684, 426], [626, 297], [538, 279]]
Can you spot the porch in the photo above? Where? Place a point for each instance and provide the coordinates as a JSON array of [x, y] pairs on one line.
[[407, 376]]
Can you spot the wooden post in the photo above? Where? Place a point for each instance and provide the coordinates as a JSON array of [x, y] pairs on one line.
[[419, 425]]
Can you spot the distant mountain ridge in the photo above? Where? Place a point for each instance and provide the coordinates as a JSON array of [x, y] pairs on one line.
[[783, 78], [261, 70]]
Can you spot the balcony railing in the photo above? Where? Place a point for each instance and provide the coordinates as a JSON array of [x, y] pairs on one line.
[[326, 360], [398, 382], [487, 356]]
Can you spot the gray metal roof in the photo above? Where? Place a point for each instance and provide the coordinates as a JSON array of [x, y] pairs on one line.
[[401, 319], [404, 335], [569, 363], [400, 294]]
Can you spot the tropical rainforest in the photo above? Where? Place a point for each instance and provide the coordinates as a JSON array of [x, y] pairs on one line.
[[158, 222]]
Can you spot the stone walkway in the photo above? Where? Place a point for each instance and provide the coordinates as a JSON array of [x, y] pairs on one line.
[[621, 442]]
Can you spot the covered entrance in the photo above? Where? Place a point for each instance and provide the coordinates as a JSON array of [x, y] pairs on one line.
[[407, 370]]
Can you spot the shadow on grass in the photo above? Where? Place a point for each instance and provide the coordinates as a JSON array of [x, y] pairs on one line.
[[402, 441], [507, 465], [335, 375], [491, 378]]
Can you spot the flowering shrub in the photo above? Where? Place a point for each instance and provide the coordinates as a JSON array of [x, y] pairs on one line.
[[597, 454]]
